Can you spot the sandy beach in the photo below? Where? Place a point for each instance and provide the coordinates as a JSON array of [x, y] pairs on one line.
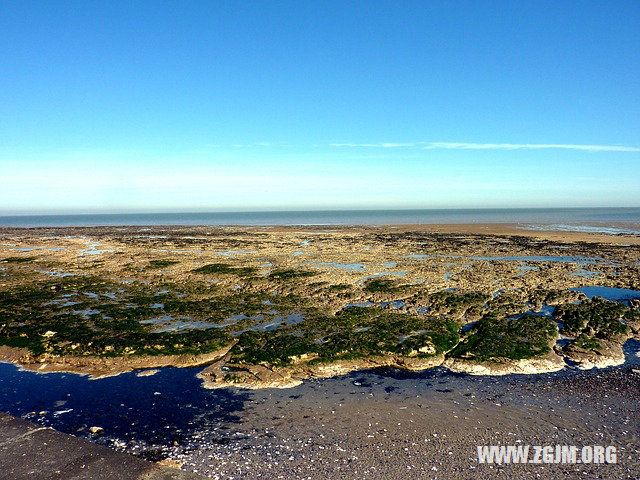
[[427, 426]]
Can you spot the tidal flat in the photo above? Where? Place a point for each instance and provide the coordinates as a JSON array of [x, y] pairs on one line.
[[402, 348], [272, 306], [381, 423]]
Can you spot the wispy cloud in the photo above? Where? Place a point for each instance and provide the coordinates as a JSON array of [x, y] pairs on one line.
[[492, 146], [529, 146], [452, 146], [379, 145]]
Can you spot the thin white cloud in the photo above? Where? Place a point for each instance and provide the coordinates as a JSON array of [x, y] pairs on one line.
[[528, 146], [492, 146], [378, 145], [459, 146]]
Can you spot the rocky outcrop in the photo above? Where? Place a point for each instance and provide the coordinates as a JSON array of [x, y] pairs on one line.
[[99, 367], [609, 354], [548, 363], [221, 374]]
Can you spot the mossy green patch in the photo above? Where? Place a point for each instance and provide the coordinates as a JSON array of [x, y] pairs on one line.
[[458, 304], [289, 274], [496, 338], [223, 268], [154, 264], [271, 348], [506, 305], [79, 316], [586, 343], [551, 296], [381, 285], [18, 259], [350, 334], [594, 318]]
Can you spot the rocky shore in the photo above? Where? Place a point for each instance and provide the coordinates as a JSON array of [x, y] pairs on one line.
[[269, 307], [100, 367]]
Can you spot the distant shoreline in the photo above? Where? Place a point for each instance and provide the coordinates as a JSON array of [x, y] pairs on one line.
[[626, 218], [549, 232]]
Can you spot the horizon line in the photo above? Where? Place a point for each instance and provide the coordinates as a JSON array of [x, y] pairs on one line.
[[201, 212]]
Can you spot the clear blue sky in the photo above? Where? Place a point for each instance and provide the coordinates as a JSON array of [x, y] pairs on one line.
[[170, 106]]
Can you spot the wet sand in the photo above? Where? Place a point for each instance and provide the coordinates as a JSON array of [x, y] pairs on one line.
[[383, 424], [517, 229], [488, 229], [391, 425]]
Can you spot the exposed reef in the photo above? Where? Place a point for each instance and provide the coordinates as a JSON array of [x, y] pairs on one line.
[[269, 307]]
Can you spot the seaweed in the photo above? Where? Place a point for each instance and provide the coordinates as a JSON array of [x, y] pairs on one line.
[[594, 318], [18, 259], [381, 285], [353, 333], [585, 342], [458, 304], [269, 347], [495, 338], [153, 264], [223, 268], [289, 274], [36, 317]]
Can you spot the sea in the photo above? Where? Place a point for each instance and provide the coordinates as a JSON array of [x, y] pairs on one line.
[[605, 220]]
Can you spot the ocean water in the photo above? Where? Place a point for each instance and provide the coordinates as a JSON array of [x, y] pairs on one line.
[[607, 220]]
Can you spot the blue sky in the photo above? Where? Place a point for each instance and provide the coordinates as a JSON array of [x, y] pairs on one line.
[[185, 106]]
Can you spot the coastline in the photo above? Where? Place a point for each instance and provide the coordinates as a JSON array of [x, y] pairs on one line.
[[102, 367], [43, 245], [383, 422], [261, 377], [495, 229]]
